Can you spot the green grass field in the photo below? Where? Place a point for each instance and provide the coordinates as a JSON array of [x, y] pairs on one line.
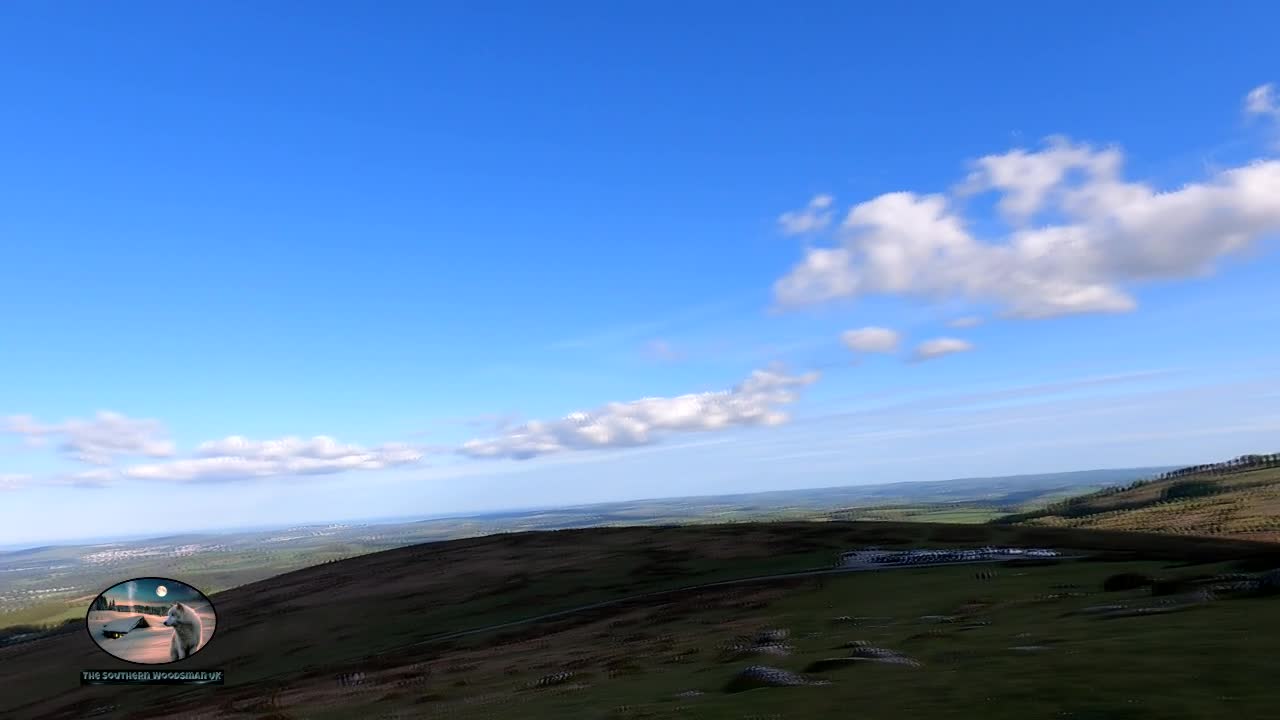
[[219, 570], [286, 642], [1203, 663]]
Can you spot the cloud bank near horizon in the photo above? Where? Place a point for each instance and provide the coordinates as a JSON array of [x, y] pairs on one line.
[[756, 401]]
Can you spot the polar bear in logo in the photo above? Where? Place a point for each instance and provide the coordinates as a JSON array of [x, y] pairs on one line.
[[186, 631]]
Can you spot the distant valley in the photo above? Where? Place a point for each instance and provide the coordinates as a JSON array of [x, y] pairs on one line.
[[49, 584]]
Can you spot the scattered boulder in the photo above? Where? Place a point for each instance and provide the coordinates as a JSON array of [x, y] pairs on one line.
[[777, 649], [351, 679], [761, 676], [893, 660], [1098, 609], [1143, 611], [559, 678], [870, 651], [689, 694], [1231, 577], [1251, 586], [740, 650], [846, 619], [884, 655], [776, 635]]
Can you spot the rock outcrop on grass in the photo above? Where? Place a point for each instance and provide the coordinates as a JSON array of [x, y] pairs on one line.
[[765, 642], [688, 694], [859, 653], [762, 676], [775, 635], [739, 651], [553, 679], [884, 655]]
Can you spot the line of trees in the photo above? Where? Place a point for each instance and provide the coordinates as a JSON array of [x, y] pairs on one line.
[[1082, 505], [1244, 463]]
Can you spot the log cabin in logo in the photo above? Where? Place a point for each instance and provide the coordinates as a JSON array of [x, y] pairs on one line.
[[118, 628]]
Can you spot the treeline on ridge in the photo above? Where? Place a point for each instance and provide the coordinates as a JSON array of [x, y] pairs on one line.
[[1193, 481]]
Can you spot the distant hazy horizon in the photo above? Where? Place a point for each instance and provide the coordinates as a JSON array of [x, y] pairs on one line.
[[215, 529]]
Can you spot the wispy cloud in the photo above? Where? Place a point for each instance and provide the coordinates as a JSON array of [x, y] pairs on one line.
[[1135, 415], [1263, 100], [755, 401], [815, 216], [226, 460], [989, 396], [870, 340], [966, 321], [628, 333], [661, 351], [939, 347], [99, 441], [239, 458]]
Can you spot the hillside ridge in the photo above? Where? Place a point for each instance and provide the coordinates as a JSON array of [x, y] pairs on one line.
[[1239, 498]]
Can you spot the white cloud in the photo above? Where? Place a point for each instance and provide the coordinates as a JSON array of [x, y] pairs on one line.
[[1028, 179], [815, 216], [1262, 100], [239, 458], [870, 340], [109, 436], [95, 478], [13, 482], [938, 347], [966, 321], [1078, 235], [662, 350], [755, 401], [98, 441]]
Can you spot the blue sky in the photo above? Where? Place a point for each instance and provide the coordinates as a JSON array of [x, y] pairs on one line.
[[143, 590], [416, 230]]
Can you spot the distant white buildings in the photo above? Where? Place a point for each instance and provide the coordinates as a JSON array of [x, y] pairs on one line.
[[879, 557]]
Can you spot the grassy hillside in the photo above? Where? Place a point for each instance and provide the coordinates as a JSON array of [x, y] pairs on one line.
[[290, 643], [1238, 498], [45, 586]]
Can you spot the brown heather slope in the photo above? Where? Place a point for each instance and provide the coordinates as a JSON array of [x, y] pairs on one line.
[[1237, 499], [368, 612]]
